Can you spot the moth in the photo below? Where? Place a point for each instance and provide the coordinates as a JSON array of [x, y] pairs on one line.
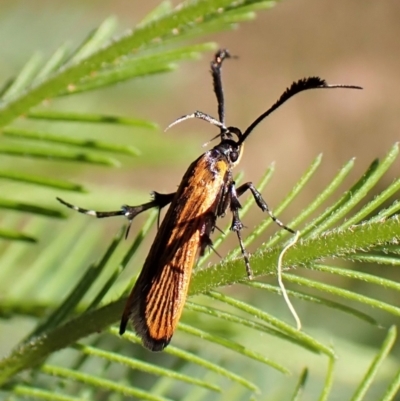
[[206, 192]]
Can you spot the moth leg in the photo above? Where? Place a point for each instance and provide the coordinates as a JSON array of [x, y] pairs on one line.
[[161, 200], [261, 203], [237, 225], [130, 212], [205, 239], [206, 242]]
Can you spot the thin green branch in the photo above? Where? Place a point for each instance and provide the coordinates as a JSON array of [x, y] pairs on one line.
[[328, 380], [232, 345], [43, 137], [375, 365], [139, 66], [317, 300], [53, 63], [95, 39], [99, 382], [298, 391], [24, 78], [340, 292], [139, 365], [16, 307], [30, 208], [11, 235], [58, 154], [357, 275], [71, 116], [156, 13], [115, 75], [243, 322], [195, 359], [299, 336], [40, 394], [393, 388], [42, 181]]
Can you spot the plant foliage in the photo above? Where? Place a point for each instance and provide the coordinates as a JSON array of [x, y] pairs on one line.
[[225, 347]]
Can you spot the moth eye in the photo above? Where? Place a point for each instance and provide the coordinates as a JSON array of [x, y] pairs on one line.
[[234, 156]]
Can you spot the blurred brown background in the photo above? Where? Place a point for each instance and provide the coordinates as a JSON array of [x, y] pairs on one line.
[[346, 41]]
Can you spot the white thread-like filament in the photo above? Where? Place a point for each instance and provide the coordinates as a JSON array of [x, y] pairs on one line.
[[280, 281]]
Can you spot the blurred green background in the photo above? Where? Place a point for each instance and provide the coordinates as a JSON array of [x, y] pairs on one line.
[[351, 42]]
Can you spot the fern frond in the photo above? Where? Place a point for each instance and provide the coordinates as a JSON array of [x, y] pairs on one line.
[[228, 345], [101, 60]]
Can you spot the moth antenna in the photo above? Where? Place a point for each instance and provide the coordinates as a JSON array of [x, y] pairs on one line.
[[200, 115], [212, 139], [296, 87], [216, 66]]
